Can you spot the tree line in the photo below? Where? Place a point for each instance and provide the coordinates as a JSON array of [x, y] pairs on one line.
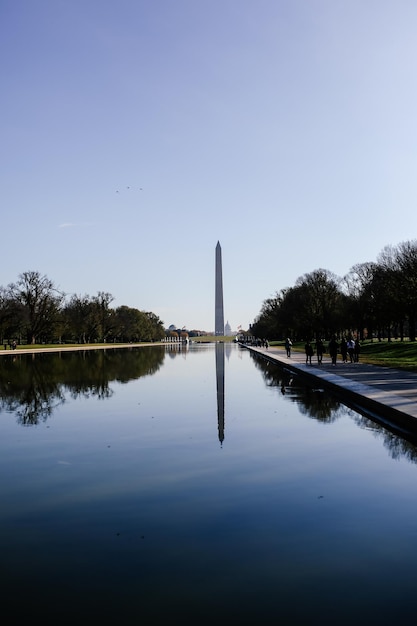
[[33, 310], [375, 299]]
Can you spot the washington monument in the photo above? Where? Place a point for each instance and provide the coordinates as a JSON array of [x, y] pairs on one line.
[[219, 314]]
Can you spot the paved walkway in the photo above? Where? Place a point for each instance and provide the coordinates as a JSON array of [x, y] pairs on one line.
[[389, 394]]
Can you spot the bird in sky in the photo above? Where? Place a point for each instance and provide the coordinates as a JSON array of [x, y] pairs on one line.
[[128, 187]]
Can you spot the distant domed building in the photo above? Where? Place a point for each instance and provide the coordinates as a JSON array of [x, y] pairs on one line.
[[227, 329]]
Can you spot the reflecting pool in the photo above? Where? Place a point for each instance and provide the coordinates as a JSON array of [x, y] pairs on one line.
[[197, 485]]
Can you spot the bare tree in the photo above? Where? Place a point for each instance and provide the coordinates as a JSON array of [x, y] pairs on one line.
[[38, 302]]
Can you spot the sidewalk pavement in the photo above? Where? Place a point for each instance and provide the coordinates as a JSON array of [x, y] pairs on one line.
[[73, 348], [389, 395]]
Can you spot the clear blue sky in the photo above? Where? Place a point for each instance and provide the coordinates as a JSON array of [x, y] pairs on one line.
[[136, 134]]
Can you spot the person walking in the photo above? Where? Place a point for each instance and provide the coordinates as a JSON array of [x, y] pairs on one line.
[[351, 349], [309, 352], [333, 348], [344, 350], [288, 344], [357, 350], [319, 350]]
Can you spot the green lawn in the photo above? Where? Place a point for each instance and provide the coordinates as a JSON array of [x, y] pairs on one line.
[[401, 354]]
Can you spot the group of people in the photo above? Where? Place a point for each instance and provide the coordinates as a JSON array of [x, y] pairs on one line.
[[309, 350], [349, 348], [12, 345], [262, 343]]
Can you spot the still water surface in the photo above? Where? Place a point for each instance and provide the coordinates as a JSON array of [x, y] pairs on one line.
[[197, 486]]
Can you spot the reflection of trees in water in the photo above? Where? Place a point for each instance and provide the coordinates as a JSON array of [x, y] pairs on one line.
[[322, 406], [311, 402], [318, 404], [33, 386], [396, 445], [28, 391]]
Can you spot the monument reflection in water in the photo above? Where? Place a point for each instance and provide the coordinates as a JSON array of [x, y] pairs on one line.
[[220, 389], [199, 486]]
